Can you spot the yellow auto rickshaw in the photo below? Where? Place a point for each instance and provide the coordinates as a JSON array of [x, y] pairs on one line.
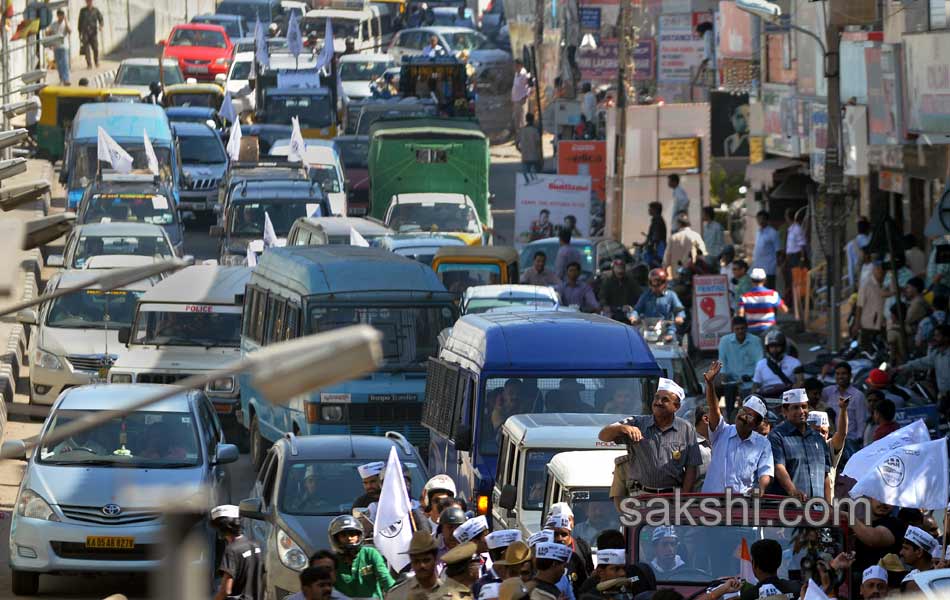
[[460, 267], [58, 106], [208, 95]]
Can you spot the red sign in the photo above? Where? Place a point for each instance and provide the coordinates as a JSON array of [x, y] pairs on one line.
[[711, 318], [585, 157], [199, 308]]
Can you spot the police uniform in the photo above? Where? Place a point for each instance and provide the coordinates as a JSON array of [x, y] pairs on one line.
[[450, 589], [411, 589]]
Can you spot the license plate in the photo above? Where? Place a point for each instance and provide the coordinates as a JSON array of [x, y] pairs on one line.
[[201, 69], [109, 542]]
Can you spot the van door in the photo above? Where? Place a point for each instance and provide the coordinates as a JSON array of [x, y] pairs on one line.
[[505, 456]]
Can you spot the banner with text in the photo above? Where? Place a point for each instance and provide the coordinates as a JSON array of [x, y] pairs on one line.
[[585, 157], [542, 203]]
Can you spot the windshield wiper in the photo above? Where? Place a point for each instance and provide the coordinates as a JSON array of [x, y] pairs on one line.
[[86, 462], [181, 465]]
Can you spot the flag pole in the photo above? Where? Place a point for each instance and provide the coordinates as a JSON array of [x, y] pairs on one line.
[[946, 522]]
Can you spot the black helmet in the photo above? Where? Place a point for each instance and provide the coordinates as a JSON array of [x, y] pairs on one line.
[[453, 515], [775, 337], [338, 526], [155, 87]]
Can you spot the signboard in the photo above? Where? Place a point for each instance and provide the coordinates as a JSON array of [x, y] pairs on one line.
[[590, 17], [643, 60], [928, 82], [885, 112], [559, 196], [582, 157], [890, 181], [736, 39], [930, 414], [818, 140], [730, 124], [599, 66], [711, 317], [780, 116], [680, 49], [678, 154], [756, 149], [855, 141]]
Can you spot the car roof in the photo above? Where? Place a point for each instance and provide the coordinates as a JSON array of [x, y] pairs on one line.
[[243, 56], [121, 120], [342, 225], [147, 62], [422, 240], [294, 91], [205, 284], [75, 277], [126, 187], [119, 229], [505, 253], [200, 27], [432, 197], [345, 447], [368, 57], [509, 290], [115, 396], [426, 127], [340, 13], [585, 468], [192, 129], [560, 430]]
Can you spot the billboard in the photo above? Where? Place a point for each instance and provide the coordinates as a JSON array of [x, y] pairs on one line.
[[585, 157], [730, 124], [556, 196]]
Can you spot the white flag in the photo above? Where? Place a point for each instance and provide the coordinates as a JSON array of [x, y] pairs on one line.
[[914, 476], [111, 152], [294, 37], [150, 154], [260, 46], [270, 238], [297, 144], [392, 531], [357, 239], [864, 459], [227, 111], [251, 257], [234, 142], [326, 54], [814, 591]]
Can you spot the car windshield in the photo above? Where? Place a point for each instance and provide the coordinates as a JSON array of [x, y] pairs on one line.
[[505, 397], [141, 439], [468, 40], [202, 99], [686, 557], [241, 70], [459, 277], [433, 217], [86, 162], [327, 177], [202, 150], [329, 487], [146, 74], [199, 37], [231, 27], [363, 71], [188, 325], [313, 110], [93, 309], [680, 370], [593, 511], [251, 11], [410, 333], [129, 208], [353, 154], [480, 305], [248, 217], [550, 248], [342, 28], [146, 245]]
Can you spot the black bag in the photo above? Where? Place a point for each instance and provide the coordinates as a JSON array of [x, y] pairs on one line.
[[777, 369]]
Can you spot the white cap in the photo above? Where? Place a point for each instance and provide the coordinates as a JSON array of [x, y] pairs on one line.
[[664, 532], [561, 508], [755, 403], [372, 469], [558, 521], [794, 396], [819, 418], [668, 385], [874, 572], [611, 557], [502, 539], [228, 511], [489, 591], [545, 535], [758, 274], [440, 482], [470, 529], [922, 540], [552, 551]]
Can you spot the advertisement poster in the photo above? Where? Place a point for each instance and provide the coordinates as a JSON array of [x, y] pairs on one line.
[[730, 124], [818, 140], [583, 157], [711, 318], [599, 65], [680, 49], [736, 39], [643, 54], [928, 83], [542, 204], [884, 95]]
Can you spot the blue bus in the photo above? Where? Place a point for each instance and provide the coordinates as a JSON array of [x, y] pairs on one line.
[[127, 123], [495, 365], [303, 290]]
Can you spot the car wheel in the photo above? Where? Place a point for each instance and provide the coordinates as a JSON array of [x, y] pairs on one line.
[[258, 444], [25, 583]]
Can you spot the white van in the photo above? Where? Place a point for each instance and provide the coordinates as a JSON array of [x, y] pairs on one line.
[[362, 25], [190, 323], [582, 480]]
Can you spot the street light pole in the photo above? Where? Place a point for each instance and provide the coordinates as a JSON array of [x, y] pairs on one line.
[[834, 182]]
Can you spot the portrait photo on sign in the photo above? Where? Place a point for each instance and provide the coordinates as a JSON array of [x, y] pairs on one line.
[[730, 125]]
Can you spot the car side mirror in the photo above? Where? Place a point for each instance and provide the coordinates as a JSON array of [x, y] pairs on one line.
[[226, 454], [251, 508], [15, 449], [216, 231], [162, 43], [508, 498], [125, 333], [463, 438], [27, 316], [55, 260]]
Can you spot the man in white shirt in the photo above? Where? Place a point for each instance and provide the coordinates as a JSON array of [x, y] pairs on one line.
[[680, 200], [589, 104], [714, 238], [765, 254], [869, 320], [741, 457], [777, 370], [520, 90]]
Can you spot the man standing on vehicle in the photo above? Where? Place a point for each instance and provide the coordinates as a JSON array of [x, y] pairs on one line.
[[566, 254], [372, 486], [759, 304], [741, 458], [618, 292], [739, 352], [857, 407], [659, 302], [240, 567], [801, 455], [662, 451], [520, 90], [538, 273], [90, 24]]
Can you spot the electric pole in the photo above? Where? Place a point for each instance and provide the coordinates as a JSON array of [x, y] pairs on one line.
[[834, 183]]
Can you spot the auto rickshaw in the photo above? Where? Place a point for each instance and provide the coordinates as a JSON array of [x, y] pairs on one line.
[[207, 95], [58, 106], [460, 267]]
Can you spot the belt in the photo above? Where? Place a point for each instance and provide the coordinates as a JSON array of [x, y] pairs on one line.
[[638, 487]]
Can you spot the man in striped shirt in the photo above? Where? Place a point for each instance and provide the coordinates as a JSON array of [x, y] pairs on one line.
[[759, 304]]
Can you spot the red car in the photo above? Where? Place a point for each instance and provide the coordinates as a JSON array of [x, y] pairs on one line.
[[202, 50]]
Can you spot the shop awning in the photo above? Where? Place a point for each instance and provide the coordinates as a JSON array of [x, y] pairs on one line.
[[762, 174]]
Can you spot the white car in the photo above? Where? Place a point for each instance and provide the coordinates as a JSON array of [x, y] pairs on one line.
[[436, 213], [358, 71], [481, 51], [139, 73], [237, 83], [98, 239], [325, 166], [483, 298]]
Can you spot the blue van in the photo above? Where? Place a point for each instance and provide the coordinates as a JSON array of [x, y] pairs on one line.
[[303, 290], [495, 365], [265, 11], [127, 124]]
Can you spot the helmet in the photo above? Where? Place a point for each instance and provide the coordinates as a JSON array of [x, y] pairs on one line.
[[155, 87], [273, 29], [339, 525], [659, 274], [440, 482], [453, 515], [775, 337]]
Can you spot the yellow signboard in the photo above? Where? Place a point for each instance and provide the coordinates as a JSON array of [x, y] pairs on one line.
[[756, 149], [679, 154]]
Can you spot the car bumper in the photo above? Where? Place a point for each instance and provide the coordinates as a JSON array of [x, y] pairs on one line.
[[203, 201], [203, 72], [280, 579], [60, 547], [47, 384]]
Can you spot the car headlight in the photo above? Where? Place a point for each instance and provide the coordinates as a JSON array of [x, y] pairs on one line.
[[225, 385], [120, 377], [46, 360], [290, 553], [222, 61], [33, 506]]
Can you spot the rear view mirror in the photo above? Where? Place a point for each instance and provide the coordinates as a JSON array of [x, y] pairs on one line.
[[27, 316], [251, 508], [15, 449], [55, 260], [508, 498], [226, 454], [124, 334], [463, 438]]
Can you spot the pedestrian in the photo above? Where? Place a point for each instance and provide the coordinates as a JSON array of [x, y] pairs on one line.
[[740, 281], [659, 302], [869, 317], [914, 256], [856, 251], [937, 360], [686, 246], [760, 303], [538, 273], [857, 405], [874, 583], [917, 308], [766, 558], [619, 292], [528, 144], [550, 564], [520, 90], [680, 200], [802, 458], [60, 50], [361, 571], [589, 106], [90, 24], [372, 486], [576, 293], [918, 550], [662, 450], [655, 244], [883, 415], [316, 583], [424, 581], [566, 254], [765, 253], [741, 458], [498, 543], [713, 236], [581, 564], [461, 572], [739, 352], [241, 565], [326, 560]]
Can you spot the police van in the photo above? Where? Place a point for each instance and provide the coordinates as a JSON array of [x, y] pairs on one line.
[[582, 479]]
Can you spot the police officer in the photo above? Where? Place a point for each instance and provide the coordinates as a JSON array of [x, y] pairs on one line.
[[422, 558], [550, 563], [462, 565], [497, 542], [240, 567]]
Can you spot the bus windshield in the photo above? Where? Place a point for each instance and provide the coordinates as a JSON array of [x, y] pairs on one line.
[[313, 110]]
